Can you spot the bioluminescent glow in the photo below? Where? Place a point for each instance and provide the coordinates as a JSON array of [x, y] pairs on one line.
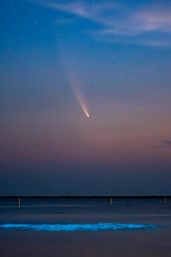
[[78, 227]]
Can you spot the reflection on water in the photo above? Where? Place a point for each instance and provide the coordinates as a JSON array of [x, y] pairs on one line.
[[127, 228]]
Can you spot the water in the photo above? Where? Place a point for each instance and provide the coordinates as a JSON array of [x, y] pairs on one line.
[[85, 227]]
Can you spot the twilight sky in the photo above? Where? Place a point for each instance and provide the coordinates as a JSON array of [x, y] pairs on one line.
[[85, 97]]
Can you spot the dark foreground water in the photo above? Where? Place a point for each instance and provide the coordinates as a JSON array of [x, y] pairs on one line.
[[85, 228]]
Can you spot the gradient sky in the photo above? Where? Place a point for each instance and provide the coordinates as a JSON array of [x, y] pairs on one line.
[[61, 61]]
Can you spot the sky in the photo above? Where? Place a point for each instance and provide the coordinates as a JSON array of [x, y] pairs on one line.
[[85, 97]]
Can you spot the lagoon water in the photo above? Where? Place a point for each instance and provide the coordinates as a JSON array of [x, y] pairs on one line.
[[85, 228]]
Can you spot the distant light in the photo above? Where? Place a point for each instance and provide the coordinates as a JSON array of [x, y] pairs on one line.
[[78, 227]]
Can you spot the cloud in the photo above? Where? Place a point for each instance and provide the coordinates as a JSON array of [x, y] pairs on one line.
[[150, 25], [166, 142], [138, 22], [155, 43], [84, 9], [162, 144], [155, 20]]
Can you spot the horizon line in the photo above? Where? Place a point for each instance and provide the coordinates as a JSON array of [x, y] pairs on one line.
[[88, 196]]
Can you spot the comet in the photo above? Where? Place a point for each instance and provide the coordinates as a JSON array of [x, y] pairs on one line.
[[81, 102], [78, 95]]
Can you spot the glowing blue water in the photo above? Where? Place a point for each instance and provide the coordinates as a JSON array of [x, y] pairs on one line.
[[78, 227]]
